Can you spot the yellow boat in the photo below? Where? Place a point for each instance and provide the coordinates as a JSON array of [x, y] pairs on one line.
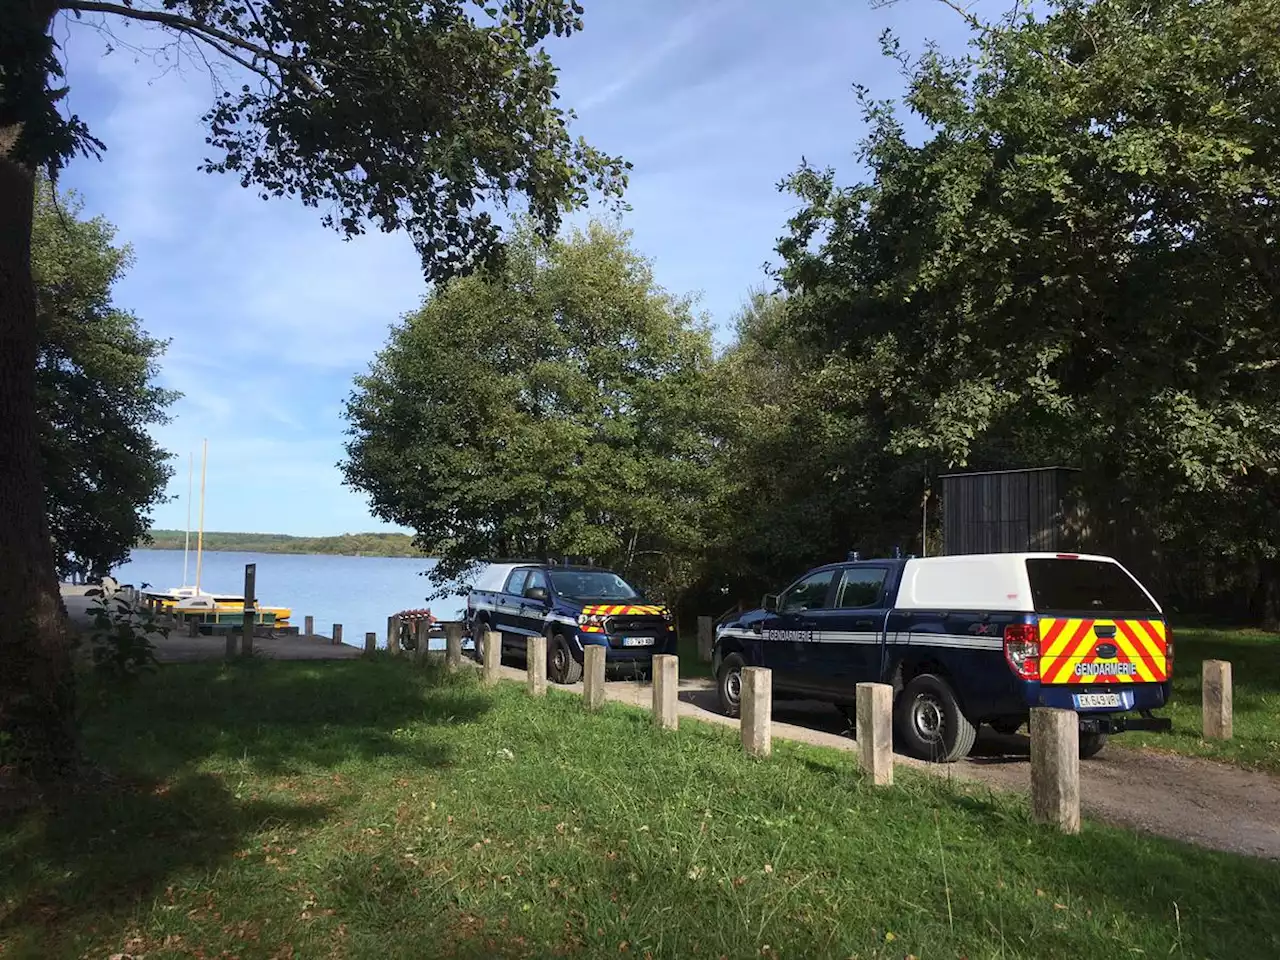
[[214, 608]]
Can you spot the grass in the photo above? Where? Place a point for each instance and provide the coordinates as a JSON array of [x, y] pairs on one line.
[[1255, 672], [367, 809]]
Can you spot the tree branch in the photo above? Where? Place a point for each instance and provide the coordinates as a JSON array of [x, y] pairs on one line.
[[205, 32]]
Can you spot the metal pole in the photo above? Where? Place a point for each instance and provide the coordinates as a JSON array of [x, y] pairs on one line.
[[204, 463], [186, 546], [250, 588]]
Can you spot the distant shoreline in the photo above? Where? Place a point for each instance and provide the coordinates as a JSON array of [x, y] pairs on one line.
[[344, 545]]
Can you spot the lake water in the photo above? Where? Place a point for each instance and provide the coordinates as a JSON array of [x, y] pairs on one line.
[[357, 592]]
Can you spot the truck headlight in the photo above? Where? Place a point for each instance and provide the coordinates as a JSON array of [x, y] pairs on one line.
[[590, 620]]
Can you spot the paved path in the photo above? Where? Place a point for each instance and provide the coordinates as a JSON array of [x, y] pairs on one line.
[[177, 647], [1199, 801]]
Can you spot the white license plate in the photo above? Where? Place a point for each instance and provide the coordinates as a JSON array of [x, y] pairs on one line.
[[637, 641], [1098, 700]]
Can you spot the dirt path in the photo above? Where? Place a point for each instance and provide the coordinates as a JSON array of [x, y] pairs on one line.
[[1199, 801]]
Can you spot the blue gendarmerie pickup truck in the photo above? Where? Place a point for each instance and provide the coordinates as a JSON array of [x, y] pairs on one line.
[[572, 607], [964, 640]]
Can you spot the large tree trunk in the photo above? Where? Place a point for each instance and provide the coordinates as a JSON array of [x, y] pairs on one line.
[[37, 693]]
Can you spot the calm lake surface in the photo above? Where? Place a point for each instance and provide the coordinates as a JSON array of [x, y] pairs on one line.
[[357, 592]]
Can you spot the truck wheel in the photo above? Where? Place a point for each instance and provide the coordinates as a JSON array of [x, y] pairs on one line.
[[729, 684], [930, 724], [1091, 744], [477, 640], [563, 668]]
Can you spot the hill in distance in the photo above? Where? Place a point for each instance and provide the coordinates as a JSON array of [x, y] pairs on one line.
[[347, 544]]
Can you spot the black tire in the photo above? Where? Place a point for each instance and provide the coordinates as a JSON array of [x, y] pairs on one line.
[[1091, 744], [561, 667], [850, 713], [729, 684], [930, 724], [478, 628]]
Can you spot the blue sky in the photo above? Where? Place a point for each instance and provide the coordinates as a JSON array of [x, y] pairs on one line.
[[713, 101]]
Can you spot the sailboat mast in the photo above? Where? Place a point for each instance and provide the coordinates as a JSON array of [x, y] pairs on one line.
[[204, 463], [186, 546]]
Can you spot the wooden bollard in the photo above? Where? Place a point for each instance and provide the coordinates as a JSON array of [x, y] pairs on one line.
[[536, 665], [193, 627], [492, 656], [666, 686], [593, 656], [874, 729], [453, 647], [370, 642], [421, 632], [757, 711], [1215, 693], [393, 634], [1055, 768], [337, 634], [309, 626], [250, 597], [706, 639]]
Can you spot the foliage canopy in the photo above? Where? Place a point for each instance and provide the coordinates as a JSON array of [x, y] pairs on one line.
[[97, 391], [558, 405]]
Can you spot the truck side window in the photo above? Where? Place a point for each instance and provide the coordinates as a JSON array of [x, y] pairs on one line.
[[515, 585], [536, 579], [860, 587], [809, 594]]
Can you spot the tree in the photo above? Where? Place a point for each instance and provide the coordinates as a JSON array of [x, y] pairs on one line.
[[804, 456], [408, 115], [556, 405], [96, 393], [1077, 263]]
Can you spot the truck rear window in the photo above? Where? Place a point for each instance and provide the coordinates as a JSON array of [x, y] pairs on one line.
[[1085, 585]]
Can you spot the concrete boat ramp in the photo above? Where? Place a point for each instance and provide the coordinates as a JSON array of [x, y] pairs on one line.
[[177, 647]]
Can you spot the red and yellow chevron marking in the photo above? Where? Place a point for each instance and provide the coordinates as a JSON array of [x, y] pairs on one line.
[[614, 610], [1066, 643]]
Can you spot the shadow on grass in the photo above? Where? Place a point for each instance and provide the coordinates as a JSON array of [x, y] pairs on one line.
[[97, 851], [285, 718]]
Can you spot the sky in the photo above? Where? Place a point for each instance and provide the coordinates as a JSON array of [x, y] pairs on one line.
[[271, 315]]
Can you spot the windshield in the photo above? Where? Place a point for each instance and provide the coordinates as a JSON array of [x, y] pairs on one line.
[[1085, 586], [591, 585]]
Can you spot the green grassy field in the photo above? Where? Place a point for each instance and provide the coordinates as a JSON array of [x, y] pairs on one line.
[[364, 809], [1255, 669]]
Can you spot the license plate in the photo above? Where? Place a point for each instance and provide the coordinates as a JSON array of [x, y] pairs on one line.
[[637, 641], [1098, 700]]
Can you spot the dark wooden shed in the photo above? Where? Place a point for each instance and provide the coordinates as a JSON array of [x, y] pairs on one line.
[[1008, 511]]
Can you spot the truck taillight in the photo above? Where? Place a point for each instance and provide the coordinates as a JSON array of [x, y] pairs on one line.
[[1022, 650], [1168, 648]]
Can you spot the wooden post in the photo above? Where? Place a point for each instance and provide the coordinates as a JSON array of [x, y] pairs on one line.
[[250, 588], [452, 647], [706, 639], [193, 627], [421, 637], [666, 686], [370, 642], [1215, 693], [536, 660], [393, 634], [492, 656], [309, 626], [874, 730], [1055, 768], [337, 634], [593, 655], [757, 711]]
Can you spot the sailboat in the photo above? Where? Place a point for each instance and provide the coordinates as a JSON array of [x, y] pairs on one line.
[[188, 602]]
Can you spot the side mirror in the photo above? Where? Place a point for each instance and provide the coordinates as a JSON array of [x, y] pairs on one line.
[[536, 593], [770, 602]]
